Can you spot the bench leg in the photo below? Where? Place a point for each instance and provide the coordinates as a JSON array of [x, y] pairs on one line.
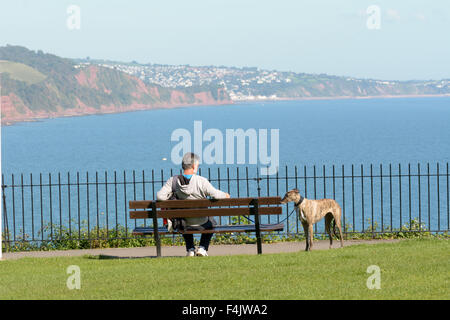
[[158, 243], [258, 242], [258, 229], [156, 232]]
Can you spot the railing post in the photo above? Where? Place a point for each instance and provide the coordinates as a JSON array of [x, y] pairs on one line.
[[257, 226], [5, 218], [155, 230], [438, 198]]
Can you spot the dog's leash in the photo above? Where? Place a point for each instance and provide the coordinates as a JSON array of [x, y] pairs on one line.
[[279, 222]]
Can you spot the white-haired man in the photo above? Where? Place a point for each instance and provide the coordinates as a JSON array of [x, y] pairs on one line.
[[190, 186]]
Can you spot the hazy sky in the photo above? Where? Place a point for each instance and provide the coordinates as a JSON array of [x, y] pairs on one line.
[[316, 36]]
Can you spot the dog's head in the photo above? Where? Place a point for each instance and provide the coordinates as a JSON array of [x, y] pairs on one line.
[[291, 195]]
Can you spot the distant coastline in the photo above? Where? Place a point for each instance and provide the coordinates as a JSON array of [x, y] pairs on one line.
[[348, 98], [225, 103], [9, 122], [37, 86]]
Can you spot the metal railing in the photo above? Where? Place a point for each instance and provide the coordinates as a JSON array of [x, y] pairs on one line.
[[93, 206]]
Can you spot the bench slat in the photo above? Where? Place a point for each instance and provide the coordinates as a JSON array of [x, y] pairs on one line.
[[217, 229], [203, 203], [202, 212]]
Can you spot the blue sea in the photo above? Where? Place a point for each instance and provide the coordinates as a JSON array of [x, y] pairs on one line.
[[314, 136], [311, 132]]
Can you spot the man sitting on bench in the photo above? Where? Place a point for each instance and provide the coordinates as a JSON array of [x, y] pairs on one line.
[[190, 186]]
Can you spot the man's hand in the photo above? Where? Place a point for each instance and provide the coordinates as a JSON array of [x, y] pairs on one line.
[[227, 195]]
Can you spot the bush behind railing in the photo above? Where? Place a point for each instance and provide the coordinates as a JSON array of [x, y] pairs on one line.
[[120, 237]]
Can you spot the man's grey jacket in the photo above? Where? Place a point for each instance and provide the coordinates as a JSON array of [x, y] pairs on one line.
[[197, 188]]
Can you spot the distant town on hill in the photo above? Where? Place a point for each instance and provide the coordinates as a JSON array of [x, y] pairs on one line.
[[251, 83], [36, 85]]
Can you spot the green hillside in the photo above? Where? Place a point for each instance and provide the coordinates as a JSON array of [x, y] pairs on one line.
[[21, 72]]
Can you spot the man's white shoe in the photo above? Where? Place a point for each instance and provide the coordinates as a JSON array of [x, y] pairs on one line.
[[190, 253], [201, 252]]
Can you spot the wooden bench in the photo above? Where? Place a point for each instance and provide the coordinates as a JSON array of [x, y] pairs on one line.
[[207, 207]]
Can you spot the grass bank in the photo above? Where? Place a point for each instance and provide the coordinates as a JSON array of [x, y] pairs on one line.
[[410, 269]]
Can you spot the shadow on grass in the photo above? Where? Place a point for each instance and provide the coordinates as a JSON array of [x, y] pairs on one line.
[[110, 257]]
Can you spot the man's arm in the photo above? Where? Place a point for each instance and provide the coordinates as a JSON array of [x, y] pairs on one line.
[[213, 192], [166, 191]]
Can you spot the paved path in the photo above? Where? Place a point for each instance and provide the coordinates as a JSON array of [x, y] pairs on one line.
[[177, 251]]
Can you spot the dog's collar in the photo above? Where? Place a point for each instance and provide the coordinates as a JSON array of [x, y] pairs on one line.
[[300, 201]]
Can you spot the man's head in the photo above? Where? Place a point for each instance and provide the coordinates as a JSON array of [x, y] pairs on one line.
[[190, 161]]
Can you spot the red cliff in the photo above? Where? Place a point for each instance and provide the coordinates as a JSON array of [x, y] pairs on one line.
[[97, 90]]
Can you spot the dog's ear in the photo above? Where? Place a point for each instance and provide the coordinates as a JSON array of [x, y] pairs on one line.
[[295, 190]]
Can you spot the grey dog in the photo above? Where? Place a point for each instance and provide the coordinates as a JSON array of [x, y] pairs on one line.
[[312, 211]]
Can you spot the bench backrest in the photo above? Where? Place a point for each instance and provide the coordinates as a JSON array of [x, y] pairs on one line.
[[205, 207]]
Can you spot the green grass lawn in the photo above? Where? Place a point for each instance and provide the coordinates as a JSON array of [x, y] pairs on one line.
[[410, 269]]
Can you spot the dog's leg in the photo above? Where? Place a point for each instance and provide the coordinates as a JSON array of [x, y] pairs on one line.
[[337, 222], [340, 232], [311, 235], [305, 228], [328, 221]]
